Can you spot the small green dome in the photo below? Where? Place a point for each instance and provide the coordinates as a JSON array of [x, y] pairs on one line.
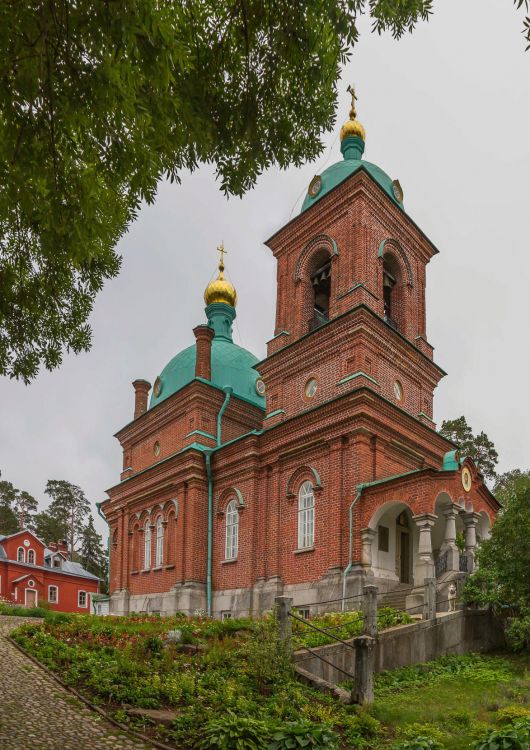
[[231, 364], [352, 149]]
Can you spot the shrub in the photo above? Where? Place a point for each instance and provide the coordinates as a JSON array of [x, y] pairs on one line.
[[231, 732], [267, 658], [303, 734], [418, 743], [360, 727], [513, 737], [426, 731], [518, 633], [509, 714]]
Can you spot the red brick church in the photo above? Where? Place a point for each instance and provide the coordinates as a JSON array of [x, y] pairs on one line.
[[318, 469]]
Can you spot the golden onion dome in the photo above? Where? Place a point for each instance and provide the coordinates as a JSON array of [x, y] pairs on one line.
[[352, 126], [220, 289]]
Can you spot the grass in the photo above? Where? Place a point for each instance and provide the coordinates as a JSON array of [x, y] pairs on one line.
[[455, 698]]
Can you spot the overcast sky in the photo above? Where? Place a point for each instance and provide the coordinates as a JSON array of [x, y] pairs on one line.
[[447, 112]]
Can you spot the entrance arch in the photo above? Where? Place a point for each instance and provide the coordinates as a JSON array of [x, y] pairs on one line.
[[394, 542]]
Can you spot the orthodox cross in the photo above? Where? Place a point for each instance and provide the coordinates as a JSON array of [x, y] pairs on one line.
[[351, 90]]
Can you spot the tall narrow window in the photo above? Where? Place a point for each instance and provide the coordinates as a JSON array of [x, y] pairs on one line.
[[321, 283], [20, 554], [306, 516], [392, 292], [232, 530], [31, 557], [147, 545], [159, 557]]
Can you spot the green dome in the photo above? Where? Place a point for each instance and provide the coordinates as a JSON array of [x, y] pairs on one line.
[[335, 174], [231, 364]]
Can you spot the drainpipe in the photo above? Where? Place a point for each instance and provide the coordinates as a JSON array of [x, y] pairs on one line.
[[350, 556], [228, 391], [98, 506], [208, 461]]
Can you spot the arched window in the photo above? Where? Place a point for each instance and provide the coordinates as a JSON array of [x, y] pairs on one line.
[[391, 292], [147, 545], [31, 557], [20, 554], [306, 516], [232, 530], [321, 286], [159, 556]]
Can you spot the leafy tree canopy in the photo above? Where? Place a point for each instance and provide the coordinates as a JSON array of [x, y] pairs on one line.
[[478, 447], [503, 576], [100, 100]]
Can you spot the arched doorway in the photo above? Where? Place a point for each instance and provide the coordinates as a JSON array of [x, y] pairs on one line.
[[394, 543], [403, 548]]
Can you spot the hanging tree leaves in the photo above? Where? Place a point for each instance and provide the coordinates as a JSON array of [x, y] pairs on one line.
[[99, 100]]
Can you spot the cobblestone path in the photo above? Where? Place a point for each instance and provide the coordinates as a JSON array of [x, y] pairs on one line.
[[37, 714]]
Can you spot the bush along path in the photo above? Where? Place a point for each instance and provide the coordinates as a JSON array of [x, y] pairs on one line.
[[230, 686], [37, 714]]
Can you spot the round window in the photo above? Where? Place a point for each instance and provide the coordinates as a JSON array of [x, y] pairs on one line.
[[26, 542], [398, 390], [157, 388], [31, 583], [311, 387], [314, 186], [260, 387], [156, 448]]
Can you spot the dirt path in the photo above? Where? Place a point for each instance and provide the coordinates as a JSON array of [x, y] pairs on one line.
[[37, 714]]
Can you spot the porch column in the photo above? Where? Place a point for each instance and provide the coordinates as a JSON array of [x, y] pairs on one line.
[[470, 523], [425, 565], [367, 537], [449, 542]]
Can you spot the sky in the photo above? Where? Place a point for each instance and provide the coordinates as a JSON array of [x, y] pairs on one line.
[[447, 112]]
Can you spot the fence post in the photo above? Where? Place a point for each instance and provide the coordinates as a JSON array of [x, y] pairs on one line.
[[429, 605], [370, 610], [363, 687], [283, 606]]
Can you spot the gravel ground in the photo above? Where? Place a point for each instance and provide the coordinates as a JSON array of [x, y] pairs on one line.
[[37, 714]]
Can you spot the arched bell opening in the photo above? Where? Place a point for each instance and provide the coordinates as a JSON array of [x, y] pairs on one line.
[[320, 279]]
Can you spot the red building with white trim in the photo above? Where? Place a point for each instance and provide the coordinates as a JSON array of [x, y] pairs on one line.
[[31, 573], [318, 469]]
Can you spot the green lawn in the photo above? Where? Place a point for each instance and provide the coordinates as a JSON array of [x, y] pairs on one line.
[[456, 699]]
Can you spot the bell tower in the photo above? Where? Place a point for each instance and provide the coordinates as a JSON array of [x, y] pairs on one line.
[[351, 279]]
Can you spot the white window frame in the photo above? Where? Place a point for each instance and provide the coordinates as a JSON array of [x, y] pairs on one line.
[[306, 516], [226, 615], [147, 545], [56, 600], [19, 550], [32, 551], [304, 612], [159, 551], [231, 531], [85, 605]]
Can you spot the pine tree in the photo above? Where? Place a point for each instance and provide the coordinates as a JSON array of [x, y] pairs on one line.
[[8, 518], [67, 512], [24, 506], [92, 555], [478, 447]]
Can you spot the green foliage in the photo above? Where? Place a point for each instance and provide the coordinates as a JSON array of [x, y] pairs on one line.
[[343, 625], [513, 737], [68, 510], [426, 731], [509, 484], [518, 633], [418, 743], [231, 732], [101, 100], [268, 658], [16, 508], [478, 447], [503, 576], [510, 714], [303, 734], [92, 555]]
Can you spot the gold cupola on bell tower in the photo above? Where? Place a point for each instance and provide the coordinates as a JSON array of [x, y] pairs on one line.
[[220, 289], [352, 127]]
